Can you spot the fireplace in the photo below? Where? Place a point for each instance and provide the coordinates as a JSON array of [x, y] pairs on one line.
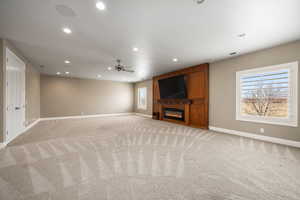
[[173, 113]]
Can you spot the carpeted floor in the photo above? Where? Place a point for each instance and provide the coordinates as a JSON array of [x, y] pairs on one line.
[[136, 158]]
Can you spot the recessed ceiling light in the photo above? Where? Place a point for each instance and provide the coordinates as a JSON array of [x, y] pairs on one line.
[[67, 72], [109, 68], [58, 73], [233, 53], [175, 59], [67, 62], [135, 49], [100, 5], [99, 76], [67, 30]]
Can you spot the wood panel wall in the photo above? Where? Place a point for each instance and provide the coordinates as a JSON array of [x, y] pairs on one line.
[[198, 96]]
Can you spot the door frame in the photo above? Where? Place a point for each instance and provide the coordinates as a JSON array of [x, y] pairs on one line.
[[11, 52]]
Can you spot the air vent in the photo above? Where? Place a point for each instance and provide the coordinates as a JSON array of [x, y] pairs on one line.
[[65, 11], [199, 1]]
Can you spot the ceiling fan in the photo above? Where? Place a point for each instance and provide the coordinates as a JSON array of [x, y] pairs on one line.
[[119, 67]]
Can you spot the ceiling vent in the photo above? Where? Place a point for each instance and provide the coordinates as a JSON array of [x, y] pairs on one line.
[[65, 11], [199, 1]]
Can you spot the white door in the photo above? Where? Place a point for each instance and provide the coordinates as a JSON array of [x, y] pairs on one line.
[[15, 95]]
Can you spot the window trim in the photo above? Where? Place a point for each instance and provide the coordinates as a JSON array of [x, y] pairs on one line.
[[293, 101], [139, 106]]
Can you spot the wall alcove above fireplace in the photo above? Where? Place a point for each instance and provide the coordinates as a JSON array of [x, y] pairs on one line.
[[194, 108]]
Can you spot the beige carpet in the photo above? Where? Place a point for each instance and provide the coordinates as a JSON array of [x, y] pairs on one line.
[[130, 157]]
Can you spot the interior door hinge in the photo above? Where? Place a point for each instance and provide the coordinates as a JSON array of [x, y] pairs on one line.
[[6, 132]]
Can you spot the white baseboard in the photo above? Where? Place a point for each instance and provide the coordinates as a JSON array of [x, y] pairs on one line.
[[32, 125], [2, 145], [257, 137], [85, 116], [143, 115], [222, 130]]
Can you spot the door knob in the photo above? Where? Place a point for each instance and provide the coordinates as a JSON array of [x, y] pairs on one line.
[[17, 108]]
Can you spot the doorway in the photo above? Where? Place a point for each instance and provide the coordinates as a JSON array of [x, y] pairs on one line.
[[15, 96]]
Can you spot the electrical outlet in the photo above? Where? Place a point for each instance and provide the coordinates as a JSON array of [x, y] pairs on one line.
[[262, 130]]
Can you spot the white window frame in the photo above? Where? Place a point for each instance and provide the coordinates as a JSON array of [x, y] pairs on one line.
[[140, 105], [292, 119]]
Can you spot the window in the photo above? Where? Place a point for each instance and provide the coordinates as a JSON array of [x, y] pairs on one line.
[[142, 98], [268, 95]]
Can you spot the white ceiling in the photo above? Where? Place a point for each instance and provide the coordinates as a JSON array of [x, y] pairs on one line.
[[161, 30]]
